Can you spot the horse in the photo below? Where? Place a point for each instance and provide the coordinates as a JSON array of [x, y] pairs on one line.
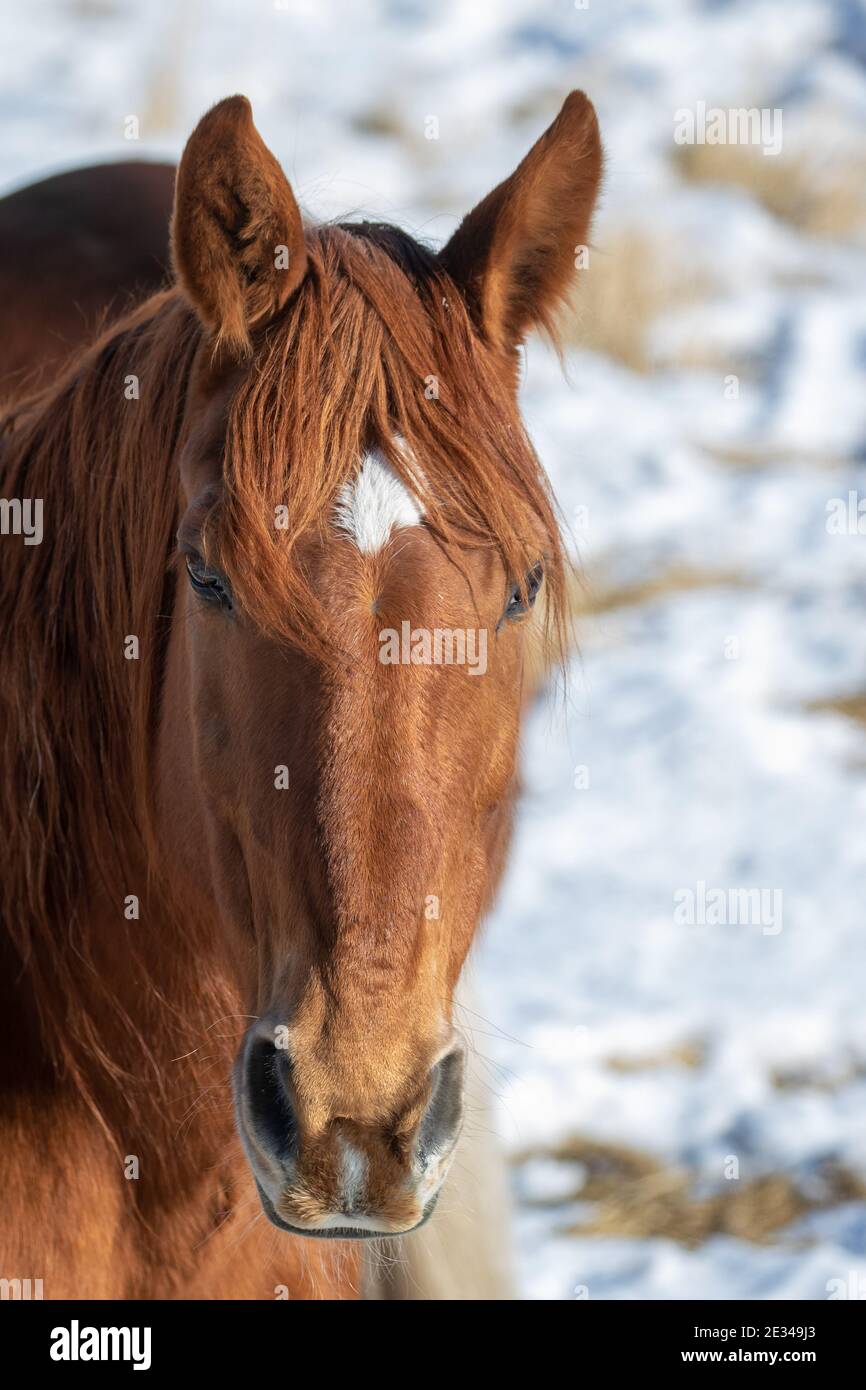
[[75, 249], [451, 1258], [246, 854]]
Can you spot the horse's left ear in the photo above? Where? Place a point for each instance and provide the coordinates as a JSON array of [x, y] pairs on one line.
[[237, 237], [515, 255]]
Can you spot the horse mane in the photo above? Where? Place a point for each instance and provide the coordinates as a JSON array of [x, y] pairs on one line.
[[77, 717], [376, 345]]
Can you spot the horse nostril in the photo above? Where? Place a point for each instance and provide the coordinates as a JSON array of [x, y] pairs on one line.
[[268, 1087], [444, 1114]]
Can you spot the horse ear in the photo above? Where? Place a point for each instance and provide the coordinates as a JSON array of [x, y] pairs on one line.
[[237, 235], [514, 256]]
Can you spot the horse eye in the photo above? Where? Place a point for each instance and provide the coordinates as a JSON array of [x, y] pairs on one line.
[[532, 584], [210, 584]]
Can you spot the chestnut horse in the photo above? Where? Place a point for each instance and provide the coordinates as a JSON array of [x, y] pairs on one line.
[[231, 826]]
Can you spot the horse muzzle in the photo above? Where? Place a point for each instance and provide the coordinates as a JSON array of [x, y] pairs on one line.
[[348, 1180]]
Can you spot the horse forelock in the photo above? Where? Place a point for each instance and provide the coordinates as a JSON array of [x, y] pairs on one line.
[[375, 353]]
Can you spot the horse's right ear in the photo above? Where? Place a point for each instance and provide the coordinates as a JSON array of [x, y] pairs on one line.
[[237, 235]]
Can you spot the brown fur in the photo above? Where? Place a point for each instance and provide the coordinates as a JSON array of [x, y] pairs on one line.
[[234, 214], [74, 249], [155, 776], [515, 252]]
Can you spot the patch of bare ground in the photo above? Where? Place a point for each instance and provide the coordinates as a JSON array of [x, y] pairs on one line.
[[748, 457], [852, 706], [594, 596], [634, 1195], [812, 1079], [629, 280], [686, 1054], [819, 197]]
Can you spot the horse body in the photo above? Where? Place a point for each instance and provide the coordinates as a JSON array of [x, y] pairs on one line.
[[238, 845], [74, 249]]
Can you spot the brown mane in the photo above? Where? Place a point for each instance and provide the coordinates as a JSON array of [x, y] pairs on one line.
[[103, 466], [357, 351]]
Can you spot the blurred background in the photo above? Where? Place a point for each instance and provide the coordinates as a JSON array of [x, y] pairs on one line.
[[682, 1100]]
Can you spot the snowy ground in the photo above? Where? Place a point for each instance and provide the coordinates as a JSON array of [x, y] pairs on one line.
[[685, 751]]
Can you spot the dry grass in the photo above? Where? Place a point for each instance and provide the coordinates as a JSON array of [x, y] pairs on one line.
[[852, 706], [381, 121], [662, 1204], [627, 284], [392, 123], [746, 457], [593, 598], [635, 1196], [818, 199], [686, 1054], [806, 1079]]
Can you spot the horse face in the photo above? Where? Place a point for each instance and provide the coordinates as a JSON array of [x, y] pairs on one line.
[[344, 799], [355, 815]]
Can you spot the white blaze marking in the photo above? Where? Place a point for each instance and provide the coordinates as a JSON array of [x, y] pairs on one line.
[[354, 1172], [374, 504]]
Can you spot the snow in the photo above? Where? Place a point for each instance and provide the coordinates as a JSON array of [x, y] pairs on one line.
[[688, 710]]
